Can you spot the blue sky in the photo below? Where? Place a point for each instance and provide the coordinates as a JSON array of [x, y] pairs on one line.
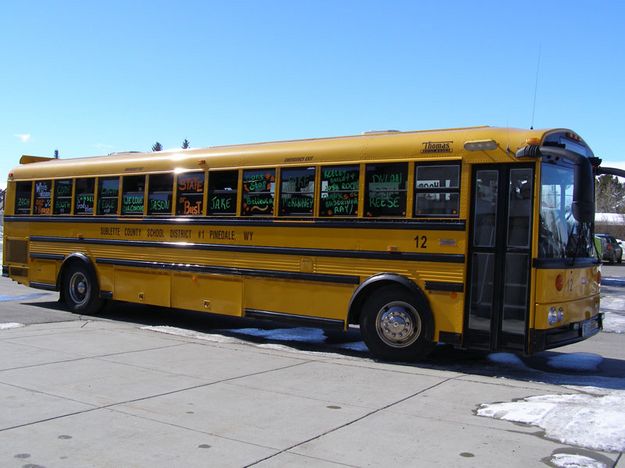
[[91, 77]]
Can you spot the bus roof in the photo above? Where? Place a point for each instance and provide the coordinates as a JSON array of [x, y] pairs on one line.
[[391, 145]]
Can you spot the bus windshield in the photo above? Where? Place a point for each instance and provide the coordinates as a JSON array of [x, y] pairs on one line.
[[561, 235]]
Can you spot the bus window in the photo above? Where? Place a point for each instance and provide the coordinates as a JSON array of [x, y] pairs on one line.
[[258, 192], [108, 194], [190, 193], [160, 193], [385, 189], [43, 197], [437, 190], [339, 191], [63, 196], [133, 195], [297, 191], [222, 192], [23, 192], [83, 204]]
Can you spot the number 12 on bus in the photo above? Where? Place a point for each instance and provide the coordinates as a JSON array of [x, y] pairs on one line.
[[480, 237]]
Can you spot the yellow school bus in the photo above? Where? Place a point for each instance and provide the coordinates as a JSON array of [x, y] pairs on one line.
[[476, 237]]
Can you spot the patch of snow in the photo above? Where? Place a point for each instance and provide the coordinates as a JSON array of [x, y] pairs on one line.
[[6, 326], [216, 338], [569, 460], [613, 302], [507, 359], [354, 346], [21, 297], [576, 361], [613, 322], [594, 420], [301, 334], [191, 334]]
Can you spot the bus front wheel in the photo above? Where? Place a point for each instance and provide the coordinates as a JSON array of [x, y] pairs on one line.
[[80, 290], [396, 326]]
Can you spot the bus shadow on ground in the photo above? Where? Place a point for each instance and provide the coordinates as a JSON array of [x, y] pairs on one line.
[[550, 367]]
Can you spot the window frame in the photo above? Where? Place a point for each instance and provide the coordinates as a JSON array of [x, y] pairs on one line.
[[202, 195], [30, 198], [236, 192], [438, 190], [76, 194], [123, 191], [273, 171], [147, 208], [56, 197], [402, 191], [100, 197], [313, 194], [47, 211], [319, 197]]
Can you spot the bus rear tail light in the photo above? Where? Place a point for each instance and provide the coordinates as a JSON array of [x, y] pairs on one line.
[[559, 282], [555, 315]]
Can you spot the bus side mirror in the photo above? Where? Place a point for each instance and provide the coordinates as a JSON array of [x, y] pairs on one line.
[[583, 206]]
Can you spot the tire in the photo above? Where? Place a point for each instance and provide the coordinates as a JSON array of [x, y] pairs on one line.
[[397, 325], [80, 290]]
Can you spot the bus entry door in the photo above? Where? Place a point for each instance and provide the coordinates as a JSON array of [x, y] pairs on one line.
[[496, 316]]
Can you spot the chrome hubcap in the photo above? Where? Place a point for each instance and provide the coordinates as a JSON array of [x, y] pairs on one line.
[[79, 288], [398, 324]]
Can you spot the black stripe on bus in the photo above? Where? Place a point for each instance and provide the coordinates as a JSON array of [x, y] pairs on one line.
[[46, 256], [444, 286], [424, 225], [294, 319], [302, 251], [293, 275], [44, 286], [564, 263]]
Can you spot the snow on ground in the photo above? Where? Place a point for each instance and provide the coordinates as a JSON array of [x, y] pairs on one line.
[[594, 419], [301, 334], [580, 362], [215, 338], [508, 360], [6, 326], [569, 460], [614, 309], [21, 297], [613, 322]]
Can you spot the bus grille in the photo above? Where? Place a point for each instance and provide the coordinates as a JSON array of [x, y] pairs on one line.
[[17, 251]]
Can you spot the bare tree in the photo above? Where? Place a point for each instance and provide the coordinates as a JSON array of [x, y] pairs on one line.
[[609, 194]]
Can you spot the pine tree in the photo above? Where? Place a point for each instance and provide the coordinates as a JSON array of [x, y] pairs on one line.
[[157, 147], [56, 154], [185, 144]]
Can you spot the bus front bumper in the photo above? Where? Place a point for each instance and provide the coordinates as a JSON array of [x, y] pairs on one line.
[[541, 340]]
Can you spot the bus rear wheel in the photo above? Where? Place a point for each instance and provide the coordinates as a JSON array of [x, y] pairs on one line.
[[396, 326], [80, 290]]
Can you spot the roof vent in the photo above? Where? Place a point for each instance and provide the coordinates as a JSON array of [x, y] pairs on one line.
[[122, 152], [376, 132]]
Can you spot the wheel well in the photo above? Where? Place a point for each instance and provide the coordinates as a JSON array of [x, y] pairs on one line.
[[74, 259], [367, 289]]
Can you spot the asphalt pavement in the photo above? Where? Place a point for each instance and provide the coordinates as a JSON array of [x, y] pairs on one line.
[[113, 390]]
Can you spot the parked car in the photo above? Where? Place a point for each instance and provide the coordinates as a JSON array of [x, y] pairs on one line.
[[612, 250]]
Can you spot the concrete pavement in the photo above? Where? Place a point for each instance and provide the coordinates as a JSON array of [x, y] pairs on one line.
[[97, 392]]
